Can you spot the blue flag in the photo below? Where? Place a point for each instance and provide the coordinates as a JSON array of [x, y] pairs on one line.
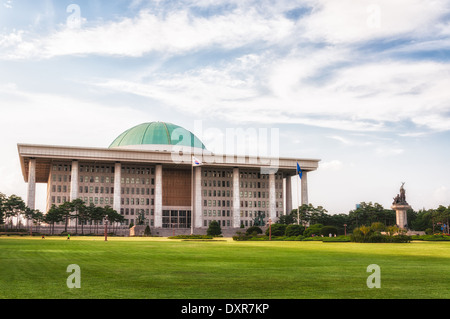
[[299, 171]]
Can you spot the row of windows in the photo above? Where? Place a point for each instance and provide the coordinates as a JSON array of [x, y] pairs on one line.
[[138, 191], [131, 211], [260, 204], [60, 188], [96, 169], [242, 175], [137, 201], [209, 173], [138, 170], [214, 213], [61, 178], [259, 194], [96, 190], [216, 183], [97, 179], [227, 213], [243, 184], [87, 200], [217, 193], [217, 203], [62, 168], [254, 175], [132, 180]]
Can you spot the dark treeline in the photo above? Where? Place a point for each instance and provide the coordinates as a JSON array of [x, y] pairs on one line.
[[430, 221], [15, 215]]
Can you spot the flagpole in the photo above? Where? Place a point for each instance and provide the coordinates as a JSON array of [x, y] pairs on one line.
[[298, 202], [192, 194]]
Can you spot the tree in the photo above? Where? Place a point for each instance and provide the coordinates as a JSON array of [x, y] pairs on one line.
[[294, 230], [96, 214], [289, 218], [112, 216], [38, 217], [65, 210], [313, 230], [326, 230], [277, 230], [3, 199], [253, 230], [78, 207], [83, 216], [422, 221], [54, 215], [147, 231], [214, 229], [378, 226], [368, 213], [29, 213], [14, 207], [442, 215]]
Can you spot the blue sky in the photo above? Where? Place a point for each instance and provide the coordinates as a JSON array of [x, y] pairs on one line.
[[361, 85]]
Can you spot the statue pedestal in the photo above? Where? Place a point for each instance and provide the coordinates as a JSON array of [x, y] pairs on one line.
[[400, 210]]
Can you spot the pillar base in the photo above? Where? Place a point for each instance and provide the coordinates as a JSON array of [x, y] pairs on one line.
[[400, 212]]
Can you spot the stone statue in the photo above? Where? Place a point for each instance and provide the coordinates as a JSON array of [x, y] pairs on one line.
[[400, 199]]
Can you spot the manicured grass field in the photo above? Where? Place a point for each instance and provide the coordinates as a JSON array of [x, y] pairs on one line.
[[157, 268]]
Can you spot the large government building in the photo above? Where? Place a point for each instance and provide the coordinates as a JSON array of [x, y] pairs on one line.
[[164, 172]]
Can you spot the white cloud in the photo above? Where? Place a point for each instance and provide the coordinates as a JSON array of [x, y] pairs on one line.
[[171, 33], [442, 195], [365, 97], [333, 165], [349, 21]]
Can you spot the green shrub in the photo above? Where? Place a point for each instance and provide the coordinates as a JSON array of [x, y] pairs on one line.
[[431, 237], [294, 230], [377, 226], [147, 231], [277, 230], [254, 230], [214, 229], [376, 237], [400, 239], [341, 239], [241, 236], [313, 230], [326, 230]]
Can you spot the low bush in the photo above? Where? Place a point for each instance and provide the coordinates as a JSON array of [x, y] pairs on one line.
[[277, 230], [191, 237], [339, 239], [294, 230], [431, 237], [326, 230], [254, 230]]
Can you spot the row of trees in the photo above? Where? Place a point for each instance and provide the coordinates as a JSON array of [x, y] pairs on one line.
[[83, 215], [431, 220], [14, 211]]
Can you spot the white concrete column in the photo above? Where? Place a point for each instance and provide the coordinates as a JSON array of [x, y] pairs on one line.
[[288, 195], [74, 181], [117, 205], [236, 199], [198, 197], [272, 198], [31, 198], [158, 196], [305, 200]]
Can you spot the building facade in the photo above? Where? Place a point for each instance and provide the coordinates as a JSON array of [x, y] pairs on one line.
[[149, 170]]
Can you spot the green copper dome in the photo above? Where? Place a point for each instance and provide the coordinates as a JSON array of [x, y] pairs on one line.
[[157, 133]]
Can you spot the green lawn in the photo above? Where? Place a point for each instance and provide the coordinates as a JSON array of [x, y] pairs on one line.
[[157, 268]]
